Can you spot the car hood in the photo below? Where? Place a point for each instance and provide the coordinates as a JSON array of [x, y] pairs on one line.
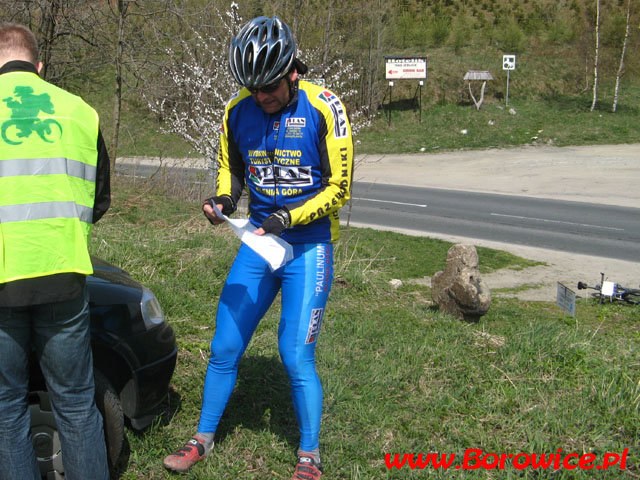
[[104, 272]]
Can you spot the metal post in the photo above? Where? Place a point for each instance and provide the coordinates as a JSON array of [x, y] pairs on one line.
[[420, 100], [508, 87], [390, 92]]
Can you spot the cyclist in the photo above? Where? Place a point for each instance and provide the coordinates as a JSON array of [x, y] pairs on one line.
[[289, 142]]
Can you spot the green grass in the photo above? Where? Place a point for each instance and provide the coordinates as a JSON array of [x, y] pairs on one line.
[[398, 376], [559, 121]]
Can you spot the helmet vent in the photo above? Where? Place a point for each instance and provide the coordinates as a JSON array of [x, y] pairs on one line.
[[262, 52]]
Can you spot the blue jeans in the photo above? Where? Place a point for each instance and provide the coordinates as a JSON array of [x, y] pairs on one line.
[[250, 289], [59, 335]]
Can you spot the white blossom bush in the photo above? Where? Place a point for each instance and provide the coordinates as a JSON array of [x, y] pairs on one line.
[[341, 77], [197, 84]]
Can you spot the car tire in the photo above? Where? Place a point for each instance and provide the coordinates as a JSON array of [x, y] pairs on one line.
[[45, 433], [108, 403]]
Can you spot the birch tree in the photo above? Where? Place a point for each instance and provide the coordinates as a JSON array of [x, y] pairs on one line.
[[596, 58], [625, 43]]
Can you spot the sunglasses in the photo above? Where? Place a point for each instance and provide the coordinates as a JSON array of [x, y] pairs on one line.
[[272, 87]]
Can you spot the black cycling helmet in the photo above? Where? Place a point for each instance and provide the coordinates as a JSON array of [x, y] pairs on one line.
[[262, 52]]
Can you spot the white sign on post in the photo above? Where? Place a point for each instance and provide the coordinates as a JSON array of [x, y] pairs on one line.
[[508, 62], [401, 68]]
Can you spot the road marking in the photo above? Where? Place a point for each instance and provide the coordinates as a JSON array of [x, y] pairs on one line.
[[558, 221], [389, 201]]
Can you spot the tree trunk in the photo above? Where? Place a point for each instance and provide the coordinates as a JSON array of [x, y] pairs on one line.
[[478, 103], [327, 38], [597, 52], [47, 34], [621, 66], [376, 29], [296, 17], [117, 100]]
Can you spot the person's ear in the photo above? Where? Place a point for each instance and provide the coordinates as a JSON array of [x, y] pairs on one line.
[[39, 66], [294, 75]]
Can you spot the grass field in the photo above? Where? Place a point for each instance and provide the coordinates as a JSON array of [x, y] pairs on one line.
[[550, 121], [398, 376]]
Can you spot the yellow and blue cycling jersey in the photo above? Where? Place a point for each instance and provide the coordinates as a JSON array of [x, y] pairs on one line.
[[300, 158]]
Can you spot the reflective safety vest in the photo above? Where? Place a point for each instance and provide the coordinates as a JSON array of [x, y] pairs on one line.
[[48, 159]]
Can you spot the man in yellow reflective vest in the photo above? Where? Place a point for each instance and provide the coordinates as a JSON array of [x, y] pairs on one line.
[[54, 184]]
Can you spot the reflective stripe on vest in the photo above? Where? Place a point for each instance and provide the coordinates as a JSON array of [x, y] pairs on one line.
[[47, 166], [40, 211]]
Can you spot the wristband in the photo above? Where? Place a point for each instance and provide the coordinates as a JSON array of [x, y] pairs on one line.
[[277, 222]]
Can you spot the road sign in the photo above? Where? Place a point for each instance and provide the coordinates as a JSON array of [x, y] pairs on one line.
[[402, 68], [566, 299], [508, 62]]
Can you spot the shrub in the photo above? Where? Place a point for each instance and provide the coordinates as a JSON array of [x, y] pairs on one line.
[[511, 37]]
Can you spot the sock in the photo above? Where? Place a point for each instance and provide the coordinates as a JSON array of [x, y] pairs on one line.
[[208, 440]]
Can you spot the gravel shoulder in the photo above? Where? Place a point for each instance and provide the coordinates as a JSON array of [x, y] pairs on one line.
[[606, 174]]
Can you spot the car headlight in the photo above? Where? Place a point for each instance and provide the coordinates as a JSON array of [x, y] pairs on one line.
[[151, 309]]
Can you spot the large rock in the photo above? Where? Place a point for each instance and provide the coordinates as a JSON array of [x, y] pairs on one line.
[[459, 289]]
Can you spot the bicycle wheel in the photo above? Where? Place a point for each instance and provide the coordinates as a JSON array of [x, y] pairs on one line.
[[631, 296], [10, 132], [49, 130]]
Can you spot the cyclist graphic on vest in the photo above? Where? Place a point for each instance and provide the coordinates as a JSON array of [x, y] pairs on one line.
[[24, 115]]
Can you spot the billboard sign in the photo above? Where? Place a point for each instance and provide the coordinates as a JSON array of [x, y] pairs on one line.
[[405, 68]]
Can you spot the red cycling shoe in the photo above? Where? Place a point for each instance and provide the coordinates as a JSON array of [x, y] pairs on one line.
[[307, 468], [187, 456]]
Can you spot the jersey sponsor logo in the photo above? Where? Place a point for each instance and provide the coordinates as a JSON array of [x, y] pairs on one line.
[[314, 325], [295, 127], [323, 259], [339, 115], [296, 122], [278, 175]]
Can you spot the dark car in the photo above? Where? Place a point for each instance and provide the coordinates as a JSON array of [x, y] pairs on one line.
[[134, 354]]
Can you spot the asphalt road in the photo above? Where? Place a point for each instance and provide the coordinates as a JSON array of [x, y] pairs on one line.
[[575, 227], [583, 200]]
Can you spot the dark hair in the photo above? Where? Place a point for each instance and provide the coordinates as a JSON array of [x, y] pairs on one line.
[[18, 40]]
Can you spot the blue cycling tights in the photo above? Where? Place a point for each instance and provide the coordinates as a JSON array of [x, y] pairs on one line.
[[248, 293]]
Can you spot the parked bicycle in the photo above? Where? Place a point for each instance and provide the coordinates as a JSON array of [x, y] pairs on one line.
[[612, 291]]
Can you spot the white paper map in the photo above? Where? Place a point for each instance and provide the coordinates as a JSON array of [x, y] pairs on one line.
[[275, 251]]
